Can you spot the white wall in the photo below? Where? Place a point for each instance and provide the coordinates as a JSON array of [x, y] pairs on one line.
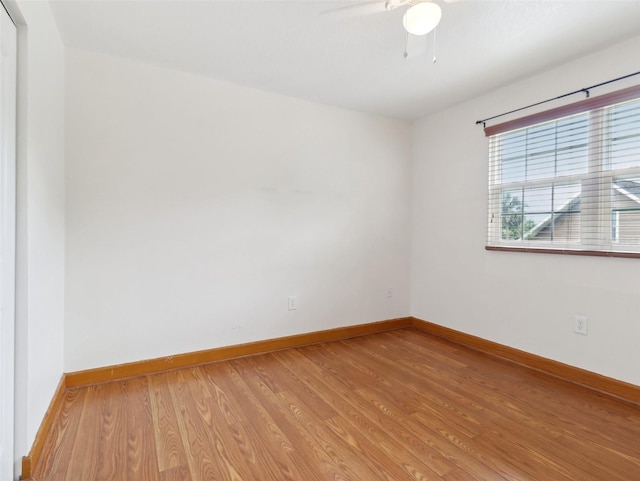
[[195, 207], [523, 300], [40, 218]]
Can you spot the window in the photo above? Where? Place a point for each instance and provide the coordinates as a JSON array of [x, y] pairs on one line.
[[568, 180]]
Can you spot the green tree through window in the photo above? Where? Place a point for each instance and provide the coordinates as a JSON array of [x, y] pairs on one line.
[[514, 224]]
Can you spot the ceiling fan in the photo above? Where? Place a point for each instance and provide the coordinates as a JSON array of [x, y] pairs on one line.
[[421, 17]]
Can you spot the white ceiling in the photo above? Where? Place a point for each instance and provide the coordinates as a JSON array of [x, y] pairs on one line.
[[348, 57]]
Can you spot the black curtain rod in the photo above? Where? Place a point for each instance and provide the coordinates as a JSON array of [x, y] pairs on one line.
[[584, 90]]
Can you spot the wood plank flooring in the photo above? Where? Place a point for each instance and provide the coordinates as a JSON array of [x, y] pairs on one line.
[[396, 406]]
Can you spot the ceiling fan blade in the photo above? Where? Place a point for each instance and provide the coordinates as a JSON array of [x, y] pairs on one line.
[[358, 9]]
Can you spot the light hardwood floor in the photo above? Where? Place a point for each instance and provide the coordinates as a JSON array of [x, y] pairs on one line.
[[396, 406]]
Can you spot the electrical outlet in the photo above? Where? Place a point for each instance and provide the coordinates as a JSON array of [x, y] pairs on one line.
[[580, 325], [389, 292], [293, 303]]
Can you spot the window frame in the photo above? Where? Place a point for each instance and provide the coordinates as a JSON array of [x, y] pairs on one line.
[[595, 108]]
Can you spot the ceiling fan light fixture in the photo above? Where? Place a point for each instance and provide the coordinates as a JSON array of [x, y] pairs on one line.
[[421, 18]]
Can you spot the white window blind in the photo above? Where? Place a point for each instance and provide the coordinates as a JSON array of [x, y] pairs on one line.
[[568, 180]]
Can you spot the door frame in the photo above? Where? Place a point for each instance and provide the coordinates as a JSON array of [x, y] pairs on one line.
[[8, 99]]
